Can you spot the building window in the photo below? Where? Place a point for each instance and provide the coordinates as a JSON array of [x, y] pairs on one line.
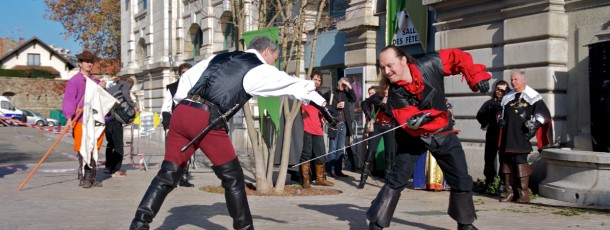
[[142, 5], [197, 42], [33, 59], [228, 34], [336, 8], [141, 52]]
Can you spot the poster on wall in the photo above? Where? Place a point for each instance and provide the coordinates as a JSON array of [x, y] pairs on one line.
[[355, 76], [406, 34]]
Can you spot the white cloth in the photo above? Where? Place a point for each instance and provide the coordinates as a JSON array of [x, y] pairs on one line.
[[97, 103], [167, 102], [264, 80], [530, 96]]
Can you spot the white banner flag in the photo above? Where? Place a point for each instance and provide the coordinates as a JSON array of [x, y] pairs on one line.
[[97, 103]]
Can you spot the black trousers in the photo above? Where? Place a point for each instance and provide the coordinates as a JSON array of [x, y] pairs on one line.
[[447, 150], [313, 146], [491, 152], [388, 143], [114, 147]]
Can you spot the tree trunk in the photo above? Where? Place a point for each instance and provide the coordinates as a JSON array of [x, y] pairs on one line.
[[288, 122], [262, 184]]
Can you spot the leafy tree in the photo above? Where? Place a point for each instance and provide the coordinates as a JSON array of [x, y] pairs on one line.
[[95, 24]]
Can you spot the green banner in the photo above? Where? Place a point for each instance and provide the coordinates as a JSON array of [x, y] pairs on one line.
[[270, 104]]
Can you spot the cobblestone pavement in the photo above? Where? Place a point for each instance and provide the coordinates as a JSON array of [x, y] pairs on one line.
[[51, 199]]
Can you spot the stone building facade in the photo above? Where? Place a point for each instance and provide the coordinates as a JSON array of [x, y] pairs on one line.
[[546, 38]]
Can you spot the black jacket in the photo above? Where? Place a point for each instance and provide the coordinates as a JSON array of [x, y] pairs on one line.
[[349, 97], [374, 102], [488, 118]]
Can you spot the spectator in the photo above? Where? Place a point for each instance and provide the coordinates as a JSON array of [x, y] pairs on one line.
[[488, 118], [339, 100], [72, 104], [169, 104], [524, 115], [382, 119], [313, 141], [114, 129], [372, 91]]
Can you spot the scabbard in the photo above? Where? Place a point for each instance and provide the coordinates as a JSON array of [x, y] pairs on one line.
[[207, 129]]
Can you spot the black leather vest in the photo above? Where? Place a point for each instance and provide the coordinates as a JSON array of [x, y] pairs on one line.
[[433, 95], [222, 82]]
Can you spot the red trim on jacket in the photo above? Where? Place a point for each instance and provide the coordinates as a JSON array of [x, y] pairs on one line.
[[454, 61]]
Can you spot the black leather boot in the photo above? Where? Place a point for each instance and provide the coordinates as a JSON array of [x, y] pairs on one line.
[[166, 180], [184, 180], [232, 178], [461, 209], [89, 177], [382, 208], [366, 169]]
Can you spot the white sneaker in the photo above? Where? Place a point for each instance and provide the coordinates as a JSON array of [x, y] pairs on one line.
[[118, 174]]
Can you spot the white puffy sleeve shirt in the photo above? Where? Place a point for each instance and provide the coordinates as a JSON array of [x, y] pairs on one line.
[[264, 81]]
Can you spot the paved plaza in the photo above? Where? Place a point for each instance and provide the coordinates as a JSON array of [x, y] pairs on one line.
[[51, 199]]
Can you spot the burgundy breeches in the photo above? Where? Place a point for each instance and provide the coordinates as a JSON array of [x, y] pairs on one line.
[[185, 124]]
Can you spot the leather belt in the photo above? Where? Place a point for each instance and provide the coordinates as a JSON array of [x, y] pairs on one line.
[[195, 104], [389, 124]]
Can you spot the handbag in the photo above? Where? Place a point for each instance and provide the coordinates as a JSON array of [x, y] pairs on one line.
[[370, 125], [122, 112]]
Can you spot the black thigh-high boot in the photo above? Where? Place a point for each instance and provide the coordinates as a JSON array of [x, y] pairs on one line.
[[382, 208], [461, 209], [166, 180], [184, 180], [366, 169], [232, 178]]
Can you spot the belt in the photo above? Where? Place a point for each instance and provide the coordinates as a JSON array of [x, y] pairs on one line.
[[195, 104]]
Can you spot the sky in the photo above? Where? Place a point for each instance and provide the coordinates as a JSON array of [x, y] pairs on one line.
[[25, 18]]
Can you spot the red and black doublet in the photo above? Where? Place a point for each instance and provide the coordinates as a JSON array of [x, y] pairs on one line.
[[426, 93]]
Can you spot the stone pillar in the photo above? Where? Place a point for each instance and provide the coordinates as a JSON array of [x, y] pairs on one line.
[[360, 27]]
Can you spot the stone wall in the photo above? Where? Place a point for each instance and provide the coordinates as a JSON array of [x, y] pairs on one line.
[[38, 95]]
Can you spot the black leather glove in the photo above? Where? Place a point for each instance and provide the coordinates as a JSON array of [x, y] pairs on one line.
[[483, 86], [501, 122], [166, 117], [415, 121], [532, 127], [324, 110]]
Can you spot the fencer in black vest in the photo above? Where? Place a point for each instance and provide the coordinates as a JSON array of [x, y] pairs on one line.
[[166, 112], [416, 98], [211, 88]]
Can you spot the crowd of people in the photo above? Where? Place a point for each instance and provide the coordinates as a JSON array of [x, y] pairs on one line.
[[407, 111]]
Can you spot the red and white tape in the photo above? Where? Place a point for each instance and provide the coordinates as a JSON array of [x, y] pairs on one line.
[[52, 129], [8, 167]]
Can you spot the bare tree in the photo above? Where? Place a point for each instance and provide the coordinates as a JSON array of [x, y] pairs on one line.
[[294, 28]]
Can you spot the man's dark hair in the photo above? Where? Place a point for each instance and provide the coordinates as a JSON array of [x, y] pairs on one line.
[[314, 73], [183, 66], [399, 53], [261, 43]]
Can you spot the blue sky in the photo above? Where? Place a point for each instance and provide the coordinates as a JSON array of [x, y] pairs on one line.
[[25, 18]]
